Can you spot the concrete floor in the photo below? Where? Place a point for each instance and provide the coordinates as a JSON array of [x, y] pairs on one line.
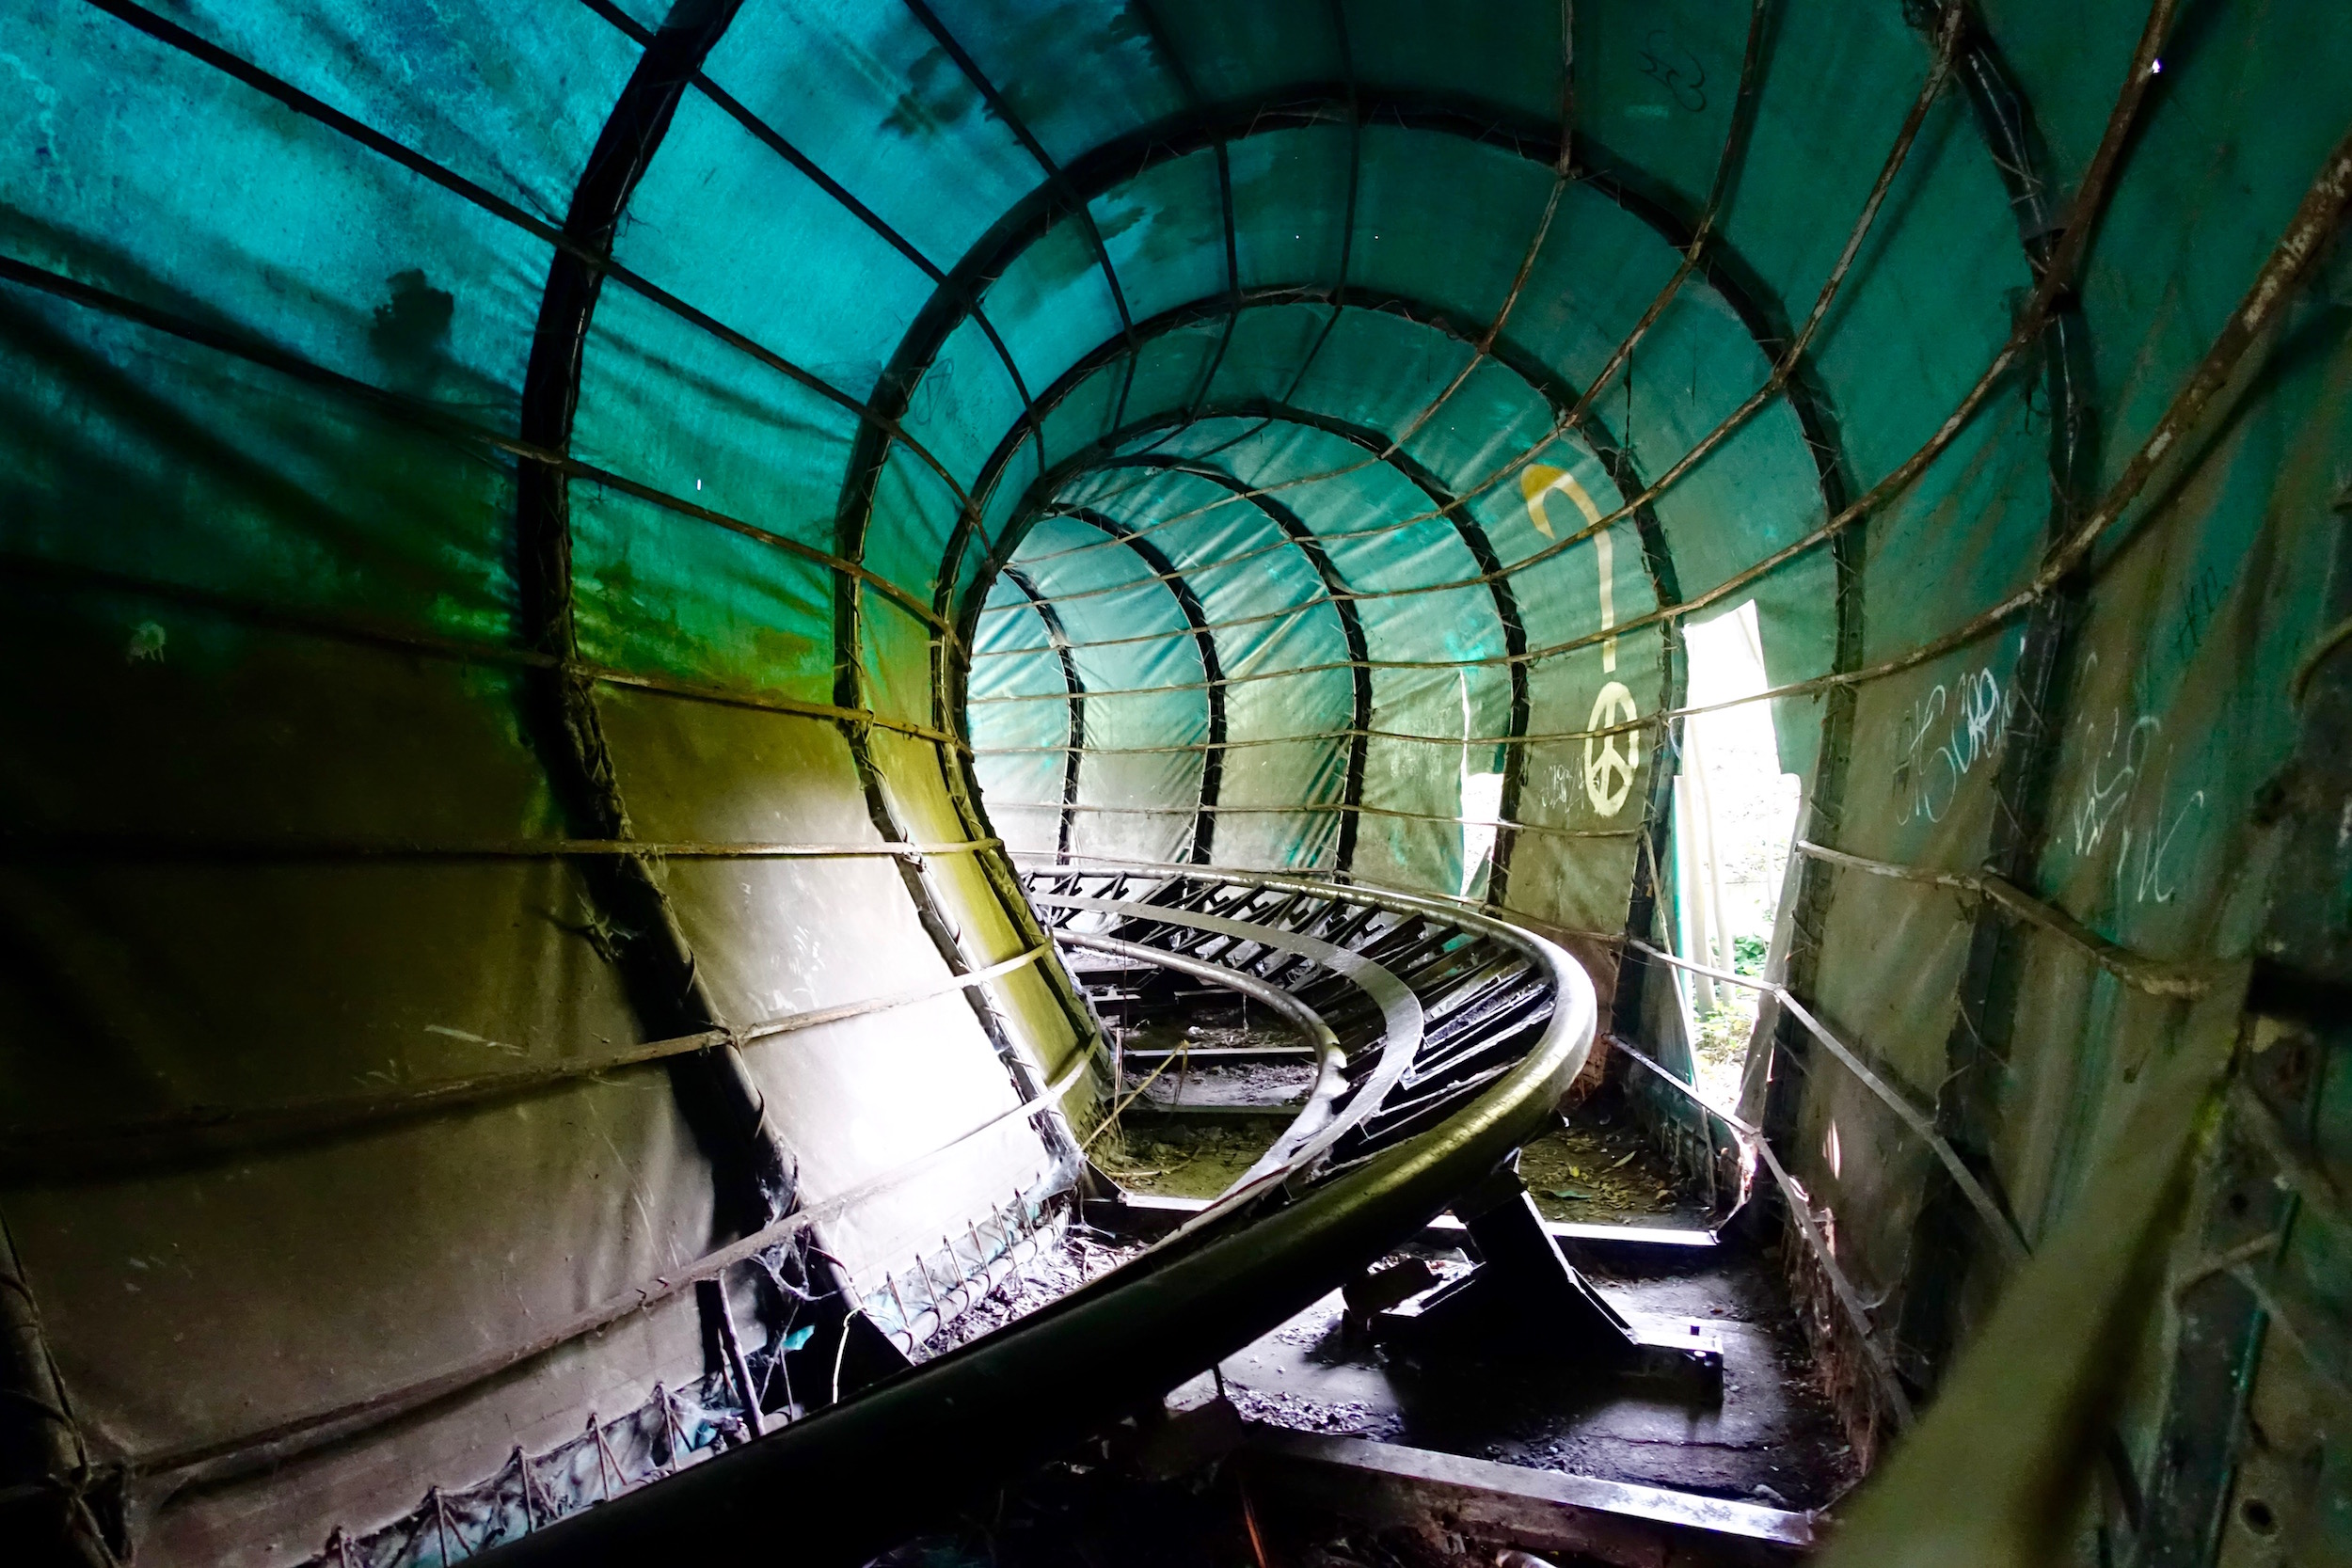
[[1771, 1438]]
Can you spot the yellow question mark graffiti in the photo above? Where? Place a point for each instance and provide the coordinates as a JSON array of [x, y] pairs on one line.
[[1609, 759]]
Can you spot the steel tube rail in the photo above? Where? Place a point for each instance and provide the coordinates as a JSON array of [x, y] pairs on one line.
[[1331, 1061], [1400, 1009], [932, 1435], [1295, 1012]]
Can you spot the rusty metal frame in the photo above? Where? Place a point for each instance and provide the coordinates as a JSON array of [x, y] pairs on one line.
[[1212, 670], [1336, 594], [1242, 1265], [1074, 689]]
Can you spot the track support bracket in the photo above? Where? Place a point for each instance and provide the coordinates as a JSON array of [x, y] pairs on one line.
[[1524, 1294]]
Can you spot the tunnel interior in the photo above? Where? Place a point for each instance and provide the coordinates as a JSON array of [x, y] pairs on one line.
[[583, 578]]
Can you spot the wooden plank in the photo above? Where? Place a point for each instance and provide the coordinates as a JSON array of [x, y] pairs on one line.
[[1151, 1215], [1615, 1522]]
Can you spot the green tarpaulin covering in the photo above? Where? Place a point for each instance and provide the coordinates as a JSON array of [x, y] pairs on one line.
[[443, 443]]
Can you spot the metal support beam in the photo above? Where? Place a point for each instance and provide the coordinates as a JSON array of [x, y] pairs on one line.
[[1343, 604], [1059, 636], [1212, 669], [715, 1089], [1619, 1523], [1525, 1294], [1936, 1304]]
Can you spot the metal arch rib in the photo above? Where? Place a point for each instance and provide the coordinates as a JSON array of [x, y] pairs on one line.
[[1474, 536], [1745, 291], [1657, 558], [1591, 428], [1314, 104], [756, 1176], [1506, 606], [783, 147], [1592, 431], [1548, 383], [1059, 636], [1212, 669], [1165, 44], [1059, 186], [1342, 603], [1751, 301]]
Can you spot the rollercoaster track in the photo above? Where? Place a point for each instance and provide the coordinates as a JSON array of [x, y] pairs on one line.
[[1330, 1081], [1448, 1037]]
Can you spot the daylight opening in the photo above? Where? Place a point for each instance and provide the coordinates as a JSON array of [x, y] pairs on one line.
[[1735, 813]]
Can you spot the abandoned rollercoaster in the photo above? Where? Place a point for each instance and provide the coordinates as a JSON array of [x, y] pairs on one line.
[[1341, 784]]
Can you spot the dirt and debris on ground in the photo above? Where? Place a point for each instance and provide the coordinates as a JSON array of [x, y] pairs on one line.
[[1304, 1413], [1227, 1029], [1072, 1260], [1595, 1169], [1172, 1159], [1600, 1169], [1283, 1083], [1085, 1512]]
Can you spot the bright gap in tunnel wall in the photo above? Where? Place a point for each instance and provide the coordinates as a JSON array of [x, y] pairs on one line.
[[1735, 815], [1482, 807]]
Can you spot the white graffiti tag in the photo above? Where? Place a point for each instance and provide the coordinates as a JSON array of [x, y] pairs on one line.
[[2152, 881], [1943, 737], [2113, 773], [2143, 873]]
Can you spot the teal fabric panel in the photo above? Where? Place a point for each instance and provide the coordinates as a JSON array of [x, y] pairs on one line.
[[1290, 203], [703, 423], [340, 256], [864, 93], [724, 221], [1164, 233], [1077, 73]]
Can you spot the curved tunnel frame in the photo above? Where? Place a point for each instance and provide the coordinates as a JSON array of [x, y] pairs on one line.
[[1716, 265], [1263, 1251], [1030, 218], [1493, 576], [949, 714], [2003, 121], [1813, 420], [957, 296], [1211, 673]]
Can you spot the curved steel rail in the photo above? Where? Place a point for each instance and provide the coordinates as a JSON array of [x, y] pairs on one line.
[[1330, 1056], [1458, 1034]]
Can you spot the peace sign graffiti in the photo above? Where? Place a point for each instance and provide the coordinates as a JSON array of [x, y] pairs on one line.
[[1609, 759]]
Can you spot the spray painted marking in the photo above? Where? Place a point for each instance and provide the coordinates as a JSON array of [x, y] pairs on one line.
[[2117, 769], [1536, 481], [1609, 759], [1928, 770]]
